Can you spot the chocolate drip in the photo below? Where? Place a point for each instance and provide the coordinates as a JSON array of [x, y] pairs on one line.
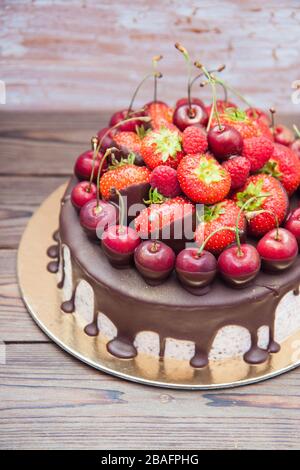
[[171, 311], [296, 291], [55, 235], [60, 284], [122, 347], [52, 267], [68, 306], [92, 329], [162, 346], [53, 251]]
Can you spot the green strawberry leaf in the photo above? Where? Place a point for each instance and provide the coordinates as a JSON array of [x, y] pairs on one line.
[[271, 168], [252, 190], [167, 143], [236, 114], [141, 131], [154, 197], [209, 171]]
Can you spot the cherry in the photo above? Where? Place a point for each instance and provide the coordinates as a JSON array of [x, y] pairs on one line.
[[238, 265], [292, 223], [224, 141], [106, 137], [85, 162], [182, 101], [195, 269], [82, 193], [278, 249], [295, 147], [95, 216], [129, 126], [283, 135], [186, 115], [119, 243], [154, 260]]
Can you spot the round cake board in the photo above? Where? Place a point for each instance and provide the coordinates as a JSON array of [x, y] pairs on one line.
[[43, 299]]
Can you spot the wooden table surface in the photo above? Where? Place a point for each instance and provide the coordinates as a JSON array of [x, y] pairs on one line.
[[48, 399]]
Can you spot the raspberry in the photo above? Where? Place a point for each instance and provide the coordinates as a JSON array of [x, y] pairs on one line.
[[258, 150], [164, 179], [194, 140], [239, 169]]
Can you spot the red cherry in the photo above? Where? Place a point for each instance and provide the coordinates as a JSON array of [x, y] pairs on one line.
[[278, 249], [154, 260], [82, 193], [96, 217], [182, 101], [225, 141], [107, 141], [239, 267], [292, 223], [84, 165], [127, 126], [195, 270], [119, 243], [184, 116], [295, 147], [283, 135]]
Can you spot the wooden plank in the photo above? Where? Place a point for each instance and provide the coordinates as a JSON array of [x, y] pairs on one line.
[[19, 198], [15, 322], [105, 47], [50, 400]]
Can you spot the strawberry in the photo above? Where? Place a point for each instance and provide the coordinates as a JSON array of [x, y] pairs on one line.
[[160, 114], [152, 220], [162, 147], [164, 179], [122, 177], [237, 118], [194, 140], [127, 141], [271, 196], [284, 165], [224, 213], [221, 106], [239, 169], [257, 114], [203, 179], [257, 150]]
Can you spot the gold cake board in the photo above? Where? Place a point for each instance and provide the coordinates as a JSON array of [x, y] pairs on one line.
[[43, 298]]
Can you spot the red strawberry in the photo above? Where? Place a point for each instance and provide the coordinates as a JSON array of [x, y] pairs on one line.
[[152, 220], [284, 165], [237, 118], [221, 106], [160, 114], [257, 114], [122, 177], [239, 169], [271, 196], [203, 179], [258, 150], [224, 213], [164, 179], [127, 141], [194, 140], [162, 147]]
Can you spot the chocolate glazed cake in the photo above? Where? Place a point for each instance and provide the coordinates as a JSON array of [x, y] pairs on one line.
[[167, 320]]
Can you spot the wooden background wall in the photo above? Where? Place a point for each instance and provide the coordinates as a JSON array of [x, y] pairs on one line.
[[90, 54]]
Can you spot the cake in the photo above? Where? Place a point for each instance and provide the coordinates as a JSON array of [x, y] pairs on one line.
[[178, 232]]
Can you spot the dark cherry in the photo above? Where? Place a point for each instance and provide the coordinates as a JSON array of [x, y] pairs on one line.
[[84, 165], [119, 243], [225, 141], [107, 141], [195, 270], [295, 147], [154, 260], [239, 267], [127, 126], [82, 193], [182, 101], [283, 135], [278, 250], [184, 116], [292, 223], [95, 218]]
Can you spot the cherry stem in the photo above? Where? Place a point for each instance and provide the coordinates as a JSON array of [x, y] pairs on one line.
[[297, 132], [219, 69], [273, 112], [121, 206], [214, 108], [156, 74], [187, 58], [95, 143], [149, 75], [211, 235], [108, 152], [235, 92]]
